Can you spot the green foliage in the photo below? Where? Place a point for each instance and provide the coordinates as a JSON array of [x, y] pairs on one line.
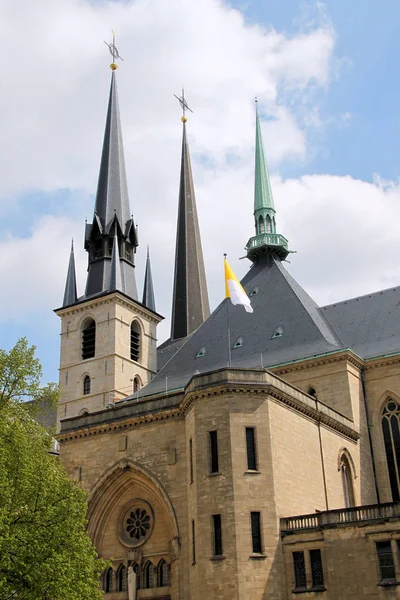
[[45, 553]]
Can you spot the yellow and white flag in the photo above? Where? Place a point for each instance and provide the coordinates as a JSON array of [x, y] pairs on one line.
[[234, 290]]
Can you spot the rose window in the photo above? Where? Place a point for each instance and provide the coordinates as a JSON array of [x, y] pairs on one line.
[[138, 524]]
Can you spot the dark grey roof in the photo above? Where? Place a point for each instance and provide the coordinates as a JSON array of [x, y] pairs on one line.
[[190, 306], [112, 190], [166, 350], [148, 289], [70, 293], [369, 325], [286, 325]]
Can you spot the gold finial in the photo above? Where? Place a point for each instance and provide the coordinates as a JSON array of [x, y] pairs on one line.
[[114, 52], [184, 105]]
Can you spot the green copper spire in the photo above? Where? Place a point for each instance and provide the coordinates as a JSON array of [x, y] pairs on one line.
[[266, 238], [263, 199]]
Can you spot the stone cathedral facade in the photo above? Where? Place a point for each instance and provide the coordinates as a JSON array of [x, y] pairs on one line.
[[272, 474]]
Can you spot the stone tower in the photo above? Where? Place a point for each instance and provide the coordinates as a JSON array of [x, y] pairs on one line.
[[108, 338]]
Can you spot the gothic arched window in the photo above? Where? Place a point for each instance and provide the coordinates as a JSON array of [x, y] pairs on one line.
[[108, 577], [88, 339], [135, 341], [122, 583], [391, 437], [136, 384], [136, 569], [261, 225], [86, 385], [149, 575], [163, 573], [268, 224], [347, 481]]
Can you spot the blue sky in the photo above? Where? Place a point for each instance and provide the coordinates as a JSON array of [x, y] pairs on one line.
[[331, 138]]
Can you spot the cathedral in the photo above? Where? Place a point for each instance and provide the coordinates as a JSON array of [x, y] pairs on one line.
[[251, 456]]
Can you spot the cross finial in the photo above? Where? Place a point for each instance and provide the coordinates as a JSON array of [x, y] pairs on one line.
[[184, 105], [114, 52]]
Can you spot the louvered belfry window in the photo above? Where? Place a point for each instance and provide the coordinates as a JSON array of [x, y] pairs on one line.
[[88, 339], [135, 342]]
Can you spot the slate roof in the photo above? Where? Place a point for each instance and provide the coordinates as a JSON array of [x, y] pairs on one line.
[[280, 306], [370, 324]]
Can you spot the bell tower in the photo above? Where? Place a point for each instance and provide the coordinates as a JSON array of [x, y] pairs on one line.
[[108, 338]]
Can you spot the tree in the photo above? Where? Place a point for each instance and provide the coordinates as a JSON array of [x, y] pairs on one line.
[[45, 553]]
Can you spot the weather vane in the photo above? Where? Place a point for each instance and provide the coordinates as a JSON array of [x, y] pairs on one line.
[[184, 105], [114, 52]]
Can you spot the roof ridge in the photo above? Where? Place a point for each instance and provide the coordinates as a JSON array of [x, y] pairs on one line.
[[368, 295]]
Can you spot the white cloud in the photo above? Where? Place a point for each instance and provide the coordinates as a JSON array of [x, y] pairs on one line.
[[53, 106]]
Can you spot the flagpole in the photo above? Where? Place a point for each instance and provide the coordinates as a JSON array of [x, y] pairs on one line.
[[228, 330]]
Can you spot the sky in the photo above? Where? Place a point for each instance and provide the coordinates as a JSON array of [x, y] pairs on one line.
[[325, 75]]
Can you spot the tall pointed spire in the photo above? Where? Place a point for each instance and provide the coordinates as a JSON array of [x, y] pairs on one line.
[[70, 294], [115, 272], [112, 212], [266, 238], [190, 306], [148, 290]]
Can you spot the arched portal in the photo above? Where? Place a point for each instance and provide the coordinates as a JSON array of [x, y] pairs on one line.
[[130, 511]]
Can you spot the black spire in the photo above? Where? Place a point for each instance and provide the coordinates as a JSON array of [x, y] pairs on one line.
[[112, 216], [148, 290], [190, 305], [70, 295]]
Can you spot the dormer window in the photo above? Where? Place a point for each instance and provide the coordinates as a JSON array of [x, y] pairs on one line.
[[239, 342], [278, 332], [201, 352], [254, 291]]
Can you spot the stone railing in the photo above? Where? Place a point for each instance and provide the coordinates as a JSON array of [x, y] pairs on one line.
[[330, 518]]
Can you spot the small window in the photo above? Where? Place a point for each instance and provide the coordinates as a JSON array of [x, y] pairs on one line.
[[317, 572], [251, 449], [88, 339], [193, 544], [163, 573], [256, 532], [214, 467], [86, 385], [136, 384], [385, 560], [122, 583], [239, 342], [191, 460], [299, 565], [217, 530], [201, 352], [135, 342], [149, 575], [254, 291], [108, 579], [278, 332]]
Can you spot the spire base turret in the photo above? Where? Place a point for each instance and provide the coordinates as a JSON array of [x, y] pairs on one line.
[[273, 243]]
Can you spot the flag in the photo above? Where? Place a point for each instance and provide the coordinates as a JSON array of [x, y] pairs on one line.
[[234, 290]]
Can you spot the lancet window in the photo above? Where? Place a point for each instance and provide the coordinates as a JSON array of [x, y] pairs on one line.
[[261, 225], [122, 583], [347, 481], [391, 437], [135, 342], [88, 339], [268, 224]]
